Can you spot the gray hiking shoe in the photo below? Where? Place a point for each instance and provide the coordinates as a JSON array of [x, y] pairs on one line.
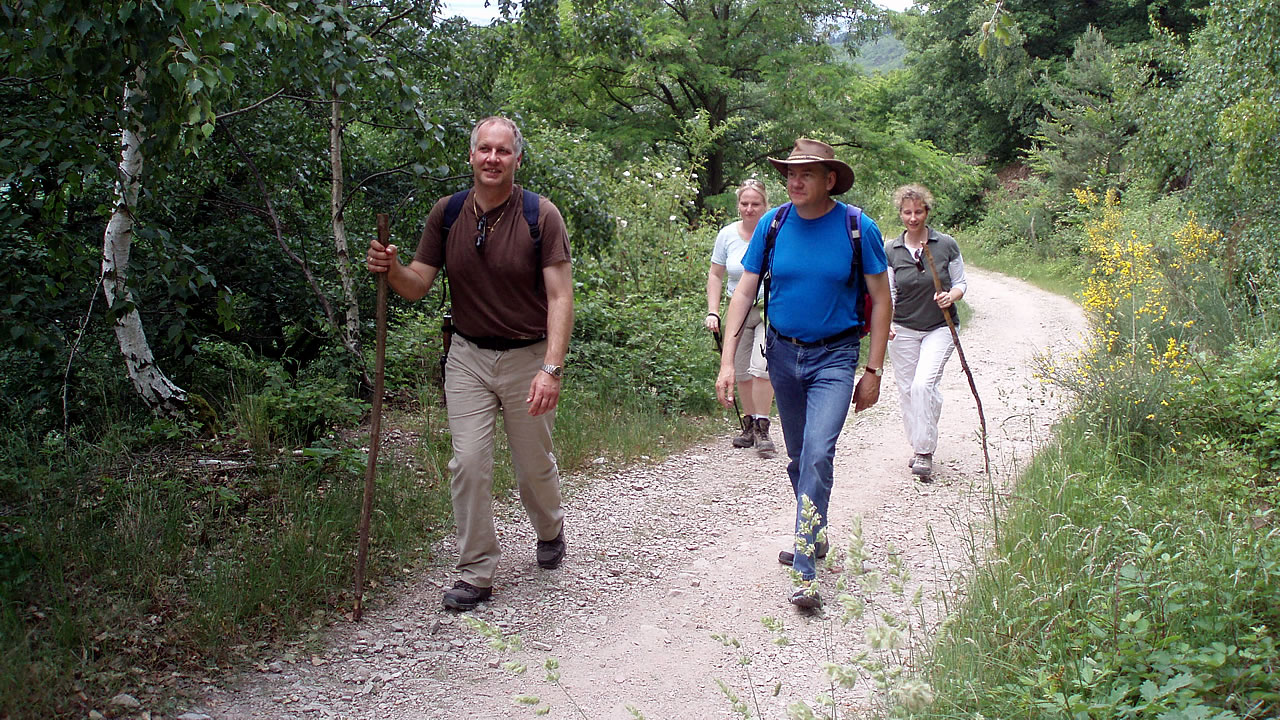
[[748, 436], [923, 465], [764, 444]]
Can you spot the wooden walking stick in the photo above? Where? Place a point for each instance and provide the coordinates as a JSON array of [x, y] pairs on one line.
[[742, 422], [951, 325], [375, 423]]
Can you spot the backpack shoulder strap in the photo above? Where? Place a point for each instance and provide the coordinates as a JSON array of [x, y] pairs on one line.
[[451, 212], [771, 236], [530, 210], [766, 264], [854, 224]]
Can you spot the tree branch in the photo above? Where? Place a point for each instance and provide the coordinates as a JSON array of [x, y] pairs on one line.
[[393, 18], [254, 106], [275, 224]]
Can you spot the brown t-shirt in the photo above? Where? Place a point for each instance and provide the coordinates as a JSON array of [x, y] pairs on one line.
[[497, 293]]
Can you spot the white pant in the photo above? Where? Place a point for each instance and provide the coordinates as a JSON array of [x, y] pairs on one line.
[[918, 358]]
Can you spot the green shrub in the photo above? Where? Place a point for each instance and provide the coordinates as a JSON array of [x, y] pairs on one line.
[[1240, 406]]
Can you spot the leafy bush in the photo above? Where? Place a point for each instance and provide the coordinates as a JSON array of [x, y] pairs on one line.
[[1240, 406]]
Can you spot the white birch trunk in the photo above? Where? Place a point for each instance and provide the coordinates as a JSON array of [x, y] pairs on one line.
[[157, 391], [351, 327]]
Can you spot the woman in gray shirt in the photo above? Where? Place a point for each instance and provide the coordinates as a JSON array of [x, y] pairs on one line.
[[919, 341]]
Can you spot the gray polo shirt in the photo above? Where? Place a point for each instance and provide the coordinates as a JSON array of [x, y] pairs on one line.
[[911, 283]]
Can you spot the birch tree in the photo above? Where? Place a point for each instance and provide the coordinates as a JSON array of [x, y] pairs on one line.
[[168, 59]]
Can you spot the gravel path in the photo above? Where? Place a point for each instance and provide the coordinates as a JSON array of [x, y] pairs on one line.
[[663, 558]]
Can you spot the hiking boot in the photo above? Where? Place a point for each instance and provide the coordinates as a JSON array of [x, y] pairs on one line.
[[748, 436], [786, 557], [465, 596], [551, 552], [923, 465], [806, 597], [764, 444]]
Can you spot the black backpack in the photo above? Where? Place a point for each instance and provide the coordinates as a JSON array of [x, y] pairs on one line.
[[530, 211], [853, 220]]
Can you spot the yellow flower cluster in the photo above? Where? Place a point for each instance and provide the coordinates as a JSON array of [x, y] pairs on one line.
[[1128, 294]]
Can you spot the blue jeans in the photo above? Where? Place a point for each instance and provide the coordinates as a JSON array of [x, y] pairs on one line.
[[813, 387]]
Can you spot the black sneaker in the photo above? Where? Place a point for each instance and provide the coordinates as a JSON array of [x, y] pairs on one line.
[[786, 557], [806, 598], [465, 596], [551, 552]]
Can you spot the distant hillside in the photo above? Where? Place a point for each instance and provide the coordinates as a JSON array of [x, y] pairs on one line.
[[881, 55]]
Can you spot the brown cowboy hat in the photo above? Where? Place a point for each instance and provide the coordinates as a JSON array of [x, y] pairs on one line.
[[816, 151]]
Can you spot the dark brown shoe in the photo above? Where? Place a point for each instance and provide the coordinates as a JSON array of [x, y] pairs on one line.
[[806, 598], [465, 596], [551, 552], [764, 444], [748, 436]]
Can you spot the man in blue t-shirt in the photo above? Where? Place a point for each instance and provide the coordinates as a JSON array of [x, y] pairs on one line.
[[812, 344]]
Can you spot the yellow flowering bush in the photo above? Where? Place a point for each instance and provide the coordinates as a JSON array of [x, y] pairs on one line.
[[1141, 297]]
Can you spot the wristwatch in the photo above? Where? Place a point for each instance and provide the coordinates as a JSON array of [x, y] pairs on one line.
[[554, 371], [878, 372]]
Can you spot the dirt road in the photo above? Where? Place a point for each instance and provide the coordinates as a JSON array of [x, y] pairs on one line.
[[663, 558]]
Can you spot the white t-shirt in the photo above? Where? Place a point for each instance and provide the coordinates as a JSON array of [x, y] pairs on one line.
[[728, 251]]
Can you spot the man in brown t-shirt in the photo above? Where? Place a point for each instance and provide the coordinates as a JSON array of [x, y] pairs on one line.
[[513, 314]]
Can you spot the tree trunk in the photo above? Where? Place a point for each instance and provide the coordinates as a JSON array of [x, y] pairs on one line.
[[157, 391], [350, 329]]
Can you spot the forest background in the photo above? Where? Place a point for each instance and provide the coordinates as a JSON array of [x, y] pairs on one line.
[[188, 187]]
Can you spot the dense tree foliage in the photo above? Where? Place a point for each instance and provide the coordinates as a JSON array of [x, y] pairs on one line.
[[991, 106], [753, 71]]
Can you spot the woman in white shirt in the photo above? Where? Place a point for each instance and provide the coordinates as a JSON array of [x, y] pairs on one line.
[[752, 373]]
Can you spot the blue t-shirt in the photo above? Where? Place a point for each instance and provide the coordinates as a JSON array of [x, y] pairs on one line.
[[810, 294]]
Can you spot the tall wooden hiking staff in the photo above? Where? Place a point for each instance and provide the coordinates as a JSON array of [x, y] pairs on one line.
[[375, 423], [951, 325]]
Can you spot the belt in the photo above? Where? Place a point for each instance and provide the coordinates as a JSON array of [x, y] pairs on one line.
[[852, 332], [500, 343]]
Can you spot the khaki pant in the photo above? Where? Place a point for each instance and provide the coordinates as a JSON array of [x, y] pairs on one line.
[[479, 384]]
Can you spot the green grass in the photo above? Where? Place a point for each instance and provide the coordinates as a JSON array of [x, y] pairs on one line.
[[121, 570], [124, 561], [1121, 585]]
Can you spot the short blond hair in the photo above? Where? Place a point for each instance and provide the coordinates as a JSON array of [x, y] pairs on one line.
[[915, 192]]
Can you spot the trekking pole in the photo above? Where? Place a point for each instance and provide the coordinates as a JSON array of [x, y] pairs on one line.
[[375, 424], [951, 325], [720, 351]]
